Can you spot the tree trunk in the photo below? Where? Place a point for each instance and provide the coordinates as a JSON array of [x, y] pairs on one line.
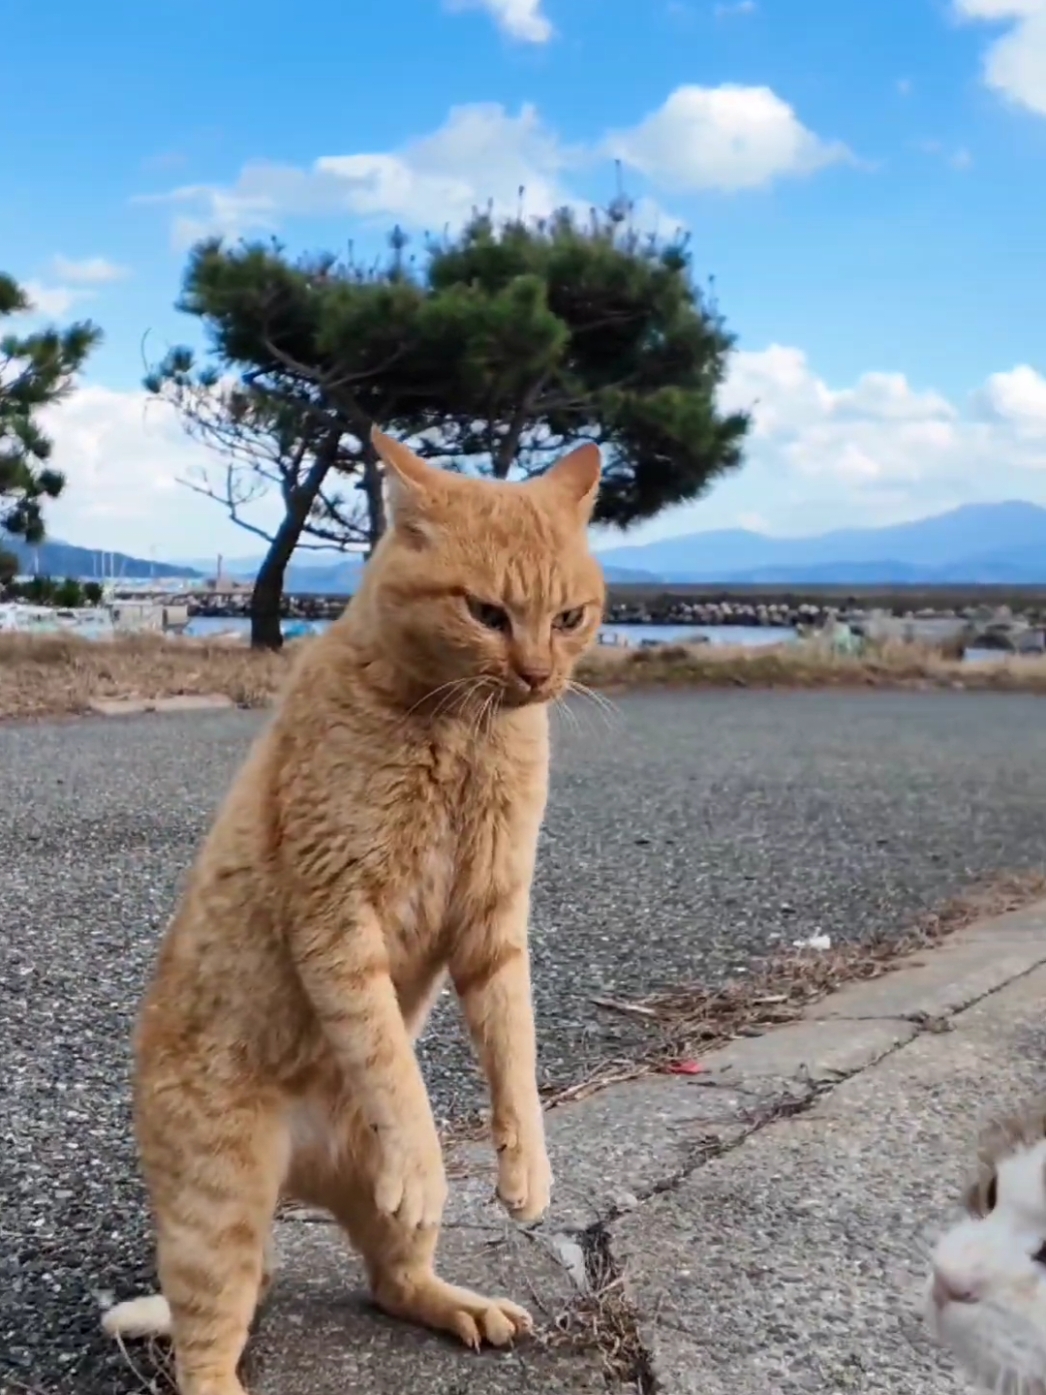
[[503, 457], [267, 595]]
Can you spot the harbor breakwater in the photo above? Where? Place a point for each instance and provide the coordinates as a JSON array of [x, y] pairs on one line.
[[971, 617]]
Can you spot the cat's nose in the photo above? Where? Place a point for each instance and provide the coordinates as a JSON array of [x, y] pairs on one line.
[[947, 1288], [533, 676]]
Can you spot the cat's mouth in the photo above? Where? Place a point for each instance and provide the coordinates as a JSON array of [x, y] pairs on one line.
[[520, 693], [1002, 1355], [478, 698]]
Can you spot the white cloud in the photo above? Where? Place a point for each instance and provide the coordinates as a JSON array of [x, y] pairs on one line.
[[123, 454], [91, 271], [872, 451], [1015, 62], [76, 283], [727, 138], [522, 20], [51, 302], [881, 431], [1018, 398], [481, 152], [723, 137]]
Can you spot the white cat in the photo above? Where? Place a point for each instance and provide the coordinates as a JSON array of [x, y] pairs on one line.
[[986, 1298]]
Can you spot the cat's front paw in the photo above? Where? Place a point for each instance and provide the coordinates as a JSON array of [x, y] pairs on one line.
[[524, 1174], [411, 1184]]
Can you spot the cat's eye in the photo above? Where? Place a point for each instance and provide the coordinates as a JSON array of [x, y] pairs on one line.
[[1039, 1257], [991, 1195], [570, 619], [491, 617]]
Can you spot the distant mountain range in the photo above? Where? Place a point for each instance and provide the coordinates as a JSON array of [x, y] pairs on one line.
[[977, 544], [323, 573], [53, 558], [342, 577]]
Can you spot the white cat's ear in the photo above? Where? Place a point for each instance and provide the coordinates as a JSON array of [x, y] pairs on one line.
[[410, 484], [577, 477]]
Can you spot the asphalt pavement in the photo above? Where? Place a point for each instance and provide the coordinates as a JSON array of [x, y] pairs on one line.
[[686, 835]]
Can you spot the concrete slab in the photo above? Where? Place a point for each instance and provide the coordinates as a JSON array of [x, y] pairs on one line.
[[945, 980], [183, 702], [193, 702], [320, 1335], [1027, 923], [812, 1050], [615, 1148], [118, 707], [794, 1263]]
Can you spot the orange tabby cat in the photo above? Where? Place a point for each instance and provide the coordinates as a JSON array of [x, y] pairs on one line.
[[380, 836]]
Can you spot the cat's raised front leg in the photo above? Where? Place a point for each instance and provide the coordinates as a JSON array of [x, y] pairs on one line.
[[399, 1258], [491, 972], [343, 965]]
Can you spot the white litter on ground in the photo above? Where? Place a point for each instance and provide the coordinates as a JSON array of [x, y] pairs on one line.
[[814, 942]]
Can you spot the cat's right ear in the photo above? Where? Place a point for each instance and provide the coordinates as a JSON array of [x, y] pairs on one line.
[[411, 484]]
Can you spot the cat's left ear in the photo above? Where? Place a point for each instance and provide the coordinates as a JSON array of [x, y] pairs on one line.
[[577, 477], [412, 484]]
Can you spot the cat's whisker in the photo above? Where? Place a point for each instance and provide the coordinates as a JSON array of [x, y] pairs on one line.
[[472, 713], [600, 699], [569, 716], [455, 699], [453, 684], [441, 688], [460, 702], [561, 708], [491, 709], [485, 720], [607, 710], [582, 717]]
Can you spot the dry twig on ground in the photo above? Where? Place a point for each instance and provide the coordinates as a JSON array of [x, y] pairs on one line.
[[694, 1019]]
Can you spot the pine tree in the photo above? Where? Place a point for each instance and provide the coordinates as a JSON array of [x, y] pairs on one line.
[[36, 371], [499, 348]]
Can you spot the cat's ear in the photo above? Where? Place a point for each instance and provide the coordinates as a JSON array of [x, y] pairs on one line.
[[576, 476], [411, 485]]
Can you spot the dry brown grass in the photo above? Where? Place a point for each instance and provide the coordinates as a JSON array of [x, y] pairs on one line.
[[603, 1321], [687, 1022], [59, 675], [890, 665]]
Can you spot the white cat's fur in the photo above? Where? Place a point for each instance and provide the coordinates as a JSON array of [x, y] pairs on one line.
[[986, 1298]]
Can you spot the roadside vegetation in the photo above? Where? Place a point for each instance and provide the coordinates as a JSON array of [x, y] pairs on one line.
[[60, 675]]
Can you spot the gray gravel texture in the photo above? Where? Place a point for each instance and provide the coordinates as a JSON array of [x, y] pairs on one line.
[[685, 836]]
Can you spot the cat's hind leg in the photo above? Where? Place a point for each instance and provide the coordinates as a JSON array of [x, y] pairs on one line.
[[149, 1315], [401, 1269], [214, 1180], [399, 1259]]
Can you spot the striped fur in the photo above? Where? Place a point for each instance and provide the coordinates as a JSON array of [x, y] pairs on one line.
[[379, 839]]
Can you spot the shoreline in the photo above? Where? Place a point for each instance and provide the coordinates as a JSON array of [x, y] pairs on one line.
[[63, 676]]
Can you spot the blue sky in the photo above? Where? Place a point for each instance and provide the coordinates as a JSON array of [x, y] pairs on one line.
[[867, 184]]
